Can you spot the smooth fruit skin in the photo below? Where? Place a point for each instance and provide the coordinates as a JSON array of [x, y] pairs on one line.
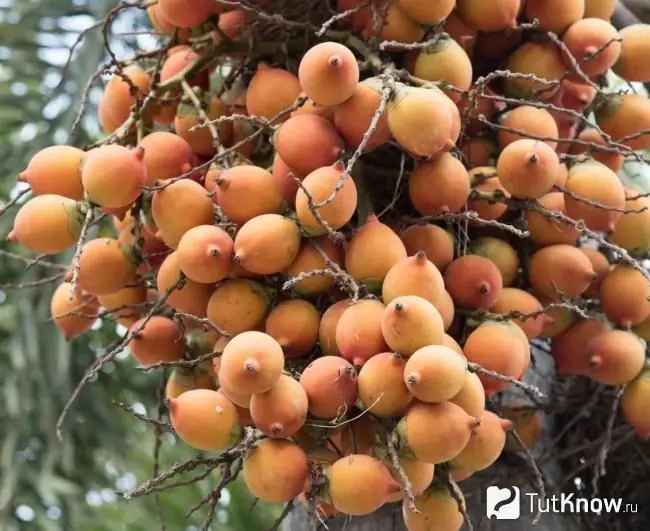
[[113, 175], [436, 243], [453, 430], [191, 298], [415, 275], [47, 224], [634, 403], [410, 323], [490, 17], [251, 362], [276, 471], [270, 91], [471, 396], [437, 511], [569, 347], [359, 331], [616, 357], [186, 16], [544, 60], [157, 339], [331, 386], [517, 300], [585, 37], [435, 373], [624, 296], [126, 305], [179, 207], [55, 170], [554, 15], [527, 168], [427, 13], [267, 244], [310, 259], [560, 269], [359, 484], [502, 253], [282, 410], [441, 185], [632, 63], [529, 122], [632, 230], [238, 305], [307, 142], [294, 323], [205, 254], [544, 230], [419, 474], [71, 315], [166, 155], [625, 115], [473, 282], [205, 420], [321, 185], [485, 445], [381, 385], [498, 346], [328, 73], [104, 266], [327, 328], [491, 185]]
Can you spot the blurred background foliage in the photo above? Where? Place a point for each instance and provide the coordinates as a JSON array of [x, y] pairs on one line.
[[74, 484]]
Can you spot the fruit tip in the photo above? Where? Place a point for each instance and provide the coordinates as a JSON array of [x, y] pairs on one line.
[[398, 306], [12, 237], [251, 365], [213, 250], [335, 61], [533, 158], [139, 152], [474, 422], [595, 361], [68, 275], [22, 177], [412, 379], [484, 288], [421, 257], [506, 424]]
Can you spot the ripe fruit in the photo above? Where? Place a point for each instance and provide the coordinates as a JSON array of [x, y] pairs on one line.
[[282, 410], [104, 266], [559, 319], [625, 117], [419, 475], [381, 385], [484, 207], [427, 13], [478, 151], [473, 282], [205, 420], [353, 117], [271, 91], [458, 30], [55, 170], [414, 275], [359, 331], [118, 94], [596, 183], [184, 379], [441, 185], [309, 107], [72, 315], [634, 403], [328, 73], [554, 15], [276, 471], [632, 230], [517, 300], [501, 253], [397, 27], [238, 305], [307, 142], [495, 16], [310, 258], [319, 186], [528, 424], [166, 155], [445, 61], [47, 224], [624, 296], [560, 270], [359, 484], [331, 386], [544, 61], [328, 324], [262, 191], [180, 14], [179, 207], [587, 36], [569, 348], [485, 445], [435, 373], [205, 254], [527, 168], [454, 428], [498, 346], [544, 228], [410, 115], [156, 339], [615, 357], [200, 139], [267, 244], [600, 8], [437, 510], [635, 46], [529, 122], [191, 298], [601, 267], [113, 175], [251, 362], [294, 325], [362, 259], [410, 323], [286, 180], [471, 396], [435, 242]]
